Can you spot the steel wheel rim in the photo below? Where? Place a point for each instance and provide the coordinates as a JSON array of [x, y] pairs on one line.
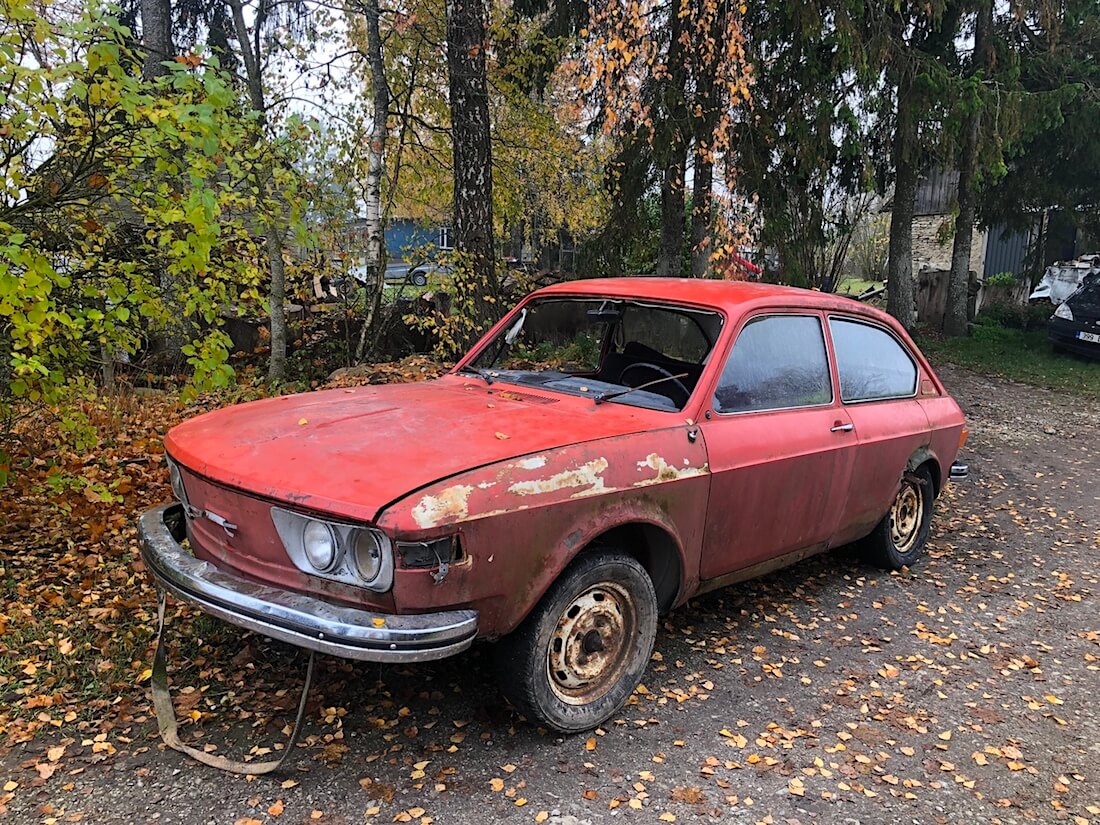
[[590, 647], [907, 516]]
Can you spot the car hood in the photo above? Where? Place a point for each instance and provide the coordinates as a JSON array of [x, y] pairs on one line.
[[1085, 302], [350, 452]]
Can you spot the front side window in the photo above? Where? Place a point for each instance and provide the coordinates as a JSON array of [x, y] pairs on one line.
[[777, 362], [872, 364]]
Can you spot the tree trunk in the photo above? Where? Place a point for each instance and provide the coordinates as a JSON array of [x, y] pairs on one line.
[[673, 158], [958, 287], [900, 284], [672, 215], [376, 240], [276, 365], [272, 220], [701, 196], [156, 37], [473, 171]]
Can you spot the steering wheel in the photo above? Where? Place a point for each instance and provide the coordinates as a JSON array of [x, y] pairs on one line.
[[661, 371]]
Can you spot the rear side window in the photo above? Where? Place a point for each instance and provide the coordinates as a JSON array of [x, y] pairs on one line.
[[871, 362], [777, 362]]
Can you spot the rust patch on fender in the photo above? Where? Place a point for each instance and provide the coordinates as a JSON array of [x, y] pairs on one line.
[[665, 471], [452, 504], [588, 475]]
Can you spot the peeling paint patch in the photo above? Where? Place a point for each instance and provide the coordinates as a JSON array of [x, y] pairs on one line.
[[532, 463], [452, 504], [485, 485], [587, 475], [665, 471]]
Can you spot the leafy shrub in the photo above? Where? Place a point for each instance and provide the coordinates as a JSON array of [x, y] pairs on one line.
[[1025, 317]]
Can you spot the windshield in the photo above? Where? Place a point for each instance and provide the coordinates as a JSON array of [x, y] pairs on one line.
[[629, 352]]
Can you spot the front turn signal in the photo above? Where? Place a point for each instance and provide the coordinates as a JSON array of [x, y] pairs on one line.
[[965, 434]]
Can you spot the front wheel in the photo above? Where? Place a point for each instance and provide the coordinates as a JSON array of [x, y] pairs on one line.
[[574, 662], [899, 539]]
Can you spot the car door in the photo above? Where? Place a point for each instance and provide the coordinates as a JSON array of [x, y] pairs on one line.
[[878, 388], [779, 446]]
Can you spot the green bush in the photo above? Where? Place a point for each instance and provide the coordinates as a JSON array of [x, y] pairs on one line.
[[1026, 317]]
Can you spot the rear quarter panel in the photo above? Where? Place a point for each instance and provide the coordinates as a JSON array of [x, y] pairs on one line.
[[522, 521]]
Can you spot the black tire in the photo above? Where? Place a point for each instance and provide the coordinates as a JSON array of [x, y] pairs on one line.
[[900, 538], [576, 659], [418, 279]]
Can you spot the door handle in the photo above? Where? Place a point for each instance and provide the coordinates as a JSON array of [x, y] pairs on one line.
[[842, 428]]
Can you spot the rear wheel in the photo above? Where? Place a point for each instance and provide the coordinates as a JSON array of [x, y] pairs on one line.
[[900, 538], [577, 658]]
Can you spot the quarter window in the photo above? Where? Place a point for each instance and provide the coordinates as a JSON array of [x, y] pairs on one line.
[[777, 362], [871, 362]]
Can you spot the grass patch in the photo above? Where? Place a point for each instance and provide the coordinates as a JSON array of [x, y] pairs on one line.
[[1024, 356], [856, 286]]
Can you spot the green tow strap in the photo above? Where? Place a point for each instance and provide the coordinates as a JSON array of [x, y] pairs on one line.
[[166, 713]]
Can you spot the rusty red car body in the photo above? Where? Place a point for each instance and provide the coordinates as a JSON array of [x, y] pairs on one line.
[[522, 482]]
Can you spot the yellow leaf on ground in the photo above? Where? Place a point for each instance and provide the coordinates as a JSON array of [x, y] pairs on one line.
[[276, 809]]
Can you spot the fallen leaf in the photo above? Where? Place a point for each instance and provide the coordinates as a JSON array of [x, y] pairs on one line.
[[276, 809]]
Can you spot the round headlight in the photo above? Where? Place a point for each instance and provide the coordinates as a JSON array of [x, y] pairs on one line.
[[319, 543], [367, 553]]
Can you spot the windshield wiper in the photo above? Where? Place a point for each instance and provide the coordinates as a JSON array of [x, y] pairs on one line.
[[607, 396], [488, 376]]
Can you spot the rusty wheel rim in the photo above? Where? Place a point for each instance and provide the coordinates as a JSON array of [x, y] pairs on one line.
[[590, 647], [907, 516]]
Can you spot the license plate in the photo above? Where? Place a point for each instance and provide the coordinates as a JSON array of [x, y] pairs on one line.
[[1091, 337]]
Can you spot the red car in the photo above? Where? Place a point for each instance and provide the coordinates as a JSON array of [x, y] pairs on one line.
[[607, 451]]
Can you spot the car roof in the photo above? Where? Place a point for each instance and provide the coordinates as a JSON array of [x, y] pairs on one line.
[[732, 296]]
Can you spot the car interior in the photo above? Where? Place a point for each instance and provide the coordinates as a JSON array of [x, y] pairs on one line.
[[654, 352]]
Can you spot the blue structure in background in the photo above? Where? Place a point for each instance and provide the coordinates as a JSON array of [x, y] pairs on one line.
[[407, 238]]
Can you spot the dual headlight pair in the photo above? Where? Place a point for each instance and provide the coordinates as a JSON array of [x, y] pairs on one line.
[[362, 556]]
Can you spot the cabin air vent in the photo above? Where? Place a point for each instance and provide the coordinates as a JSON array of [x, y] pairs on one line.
[[512, 395]]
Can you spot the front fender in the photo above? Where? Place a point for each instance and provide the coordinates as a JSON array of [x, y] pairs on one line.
[[522, 521]]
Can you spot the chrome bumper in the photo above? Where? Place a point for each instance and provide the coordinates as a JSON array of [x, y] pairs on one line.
[[293, 617], [959, 471]]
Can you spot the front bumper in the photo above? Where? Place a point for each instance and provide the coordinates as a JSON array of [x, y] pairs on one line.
[[301, 620], [1063, 333]]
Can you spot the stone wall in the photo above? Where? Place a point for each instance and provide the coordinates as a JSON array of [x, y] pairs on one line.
[[930, 253]]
